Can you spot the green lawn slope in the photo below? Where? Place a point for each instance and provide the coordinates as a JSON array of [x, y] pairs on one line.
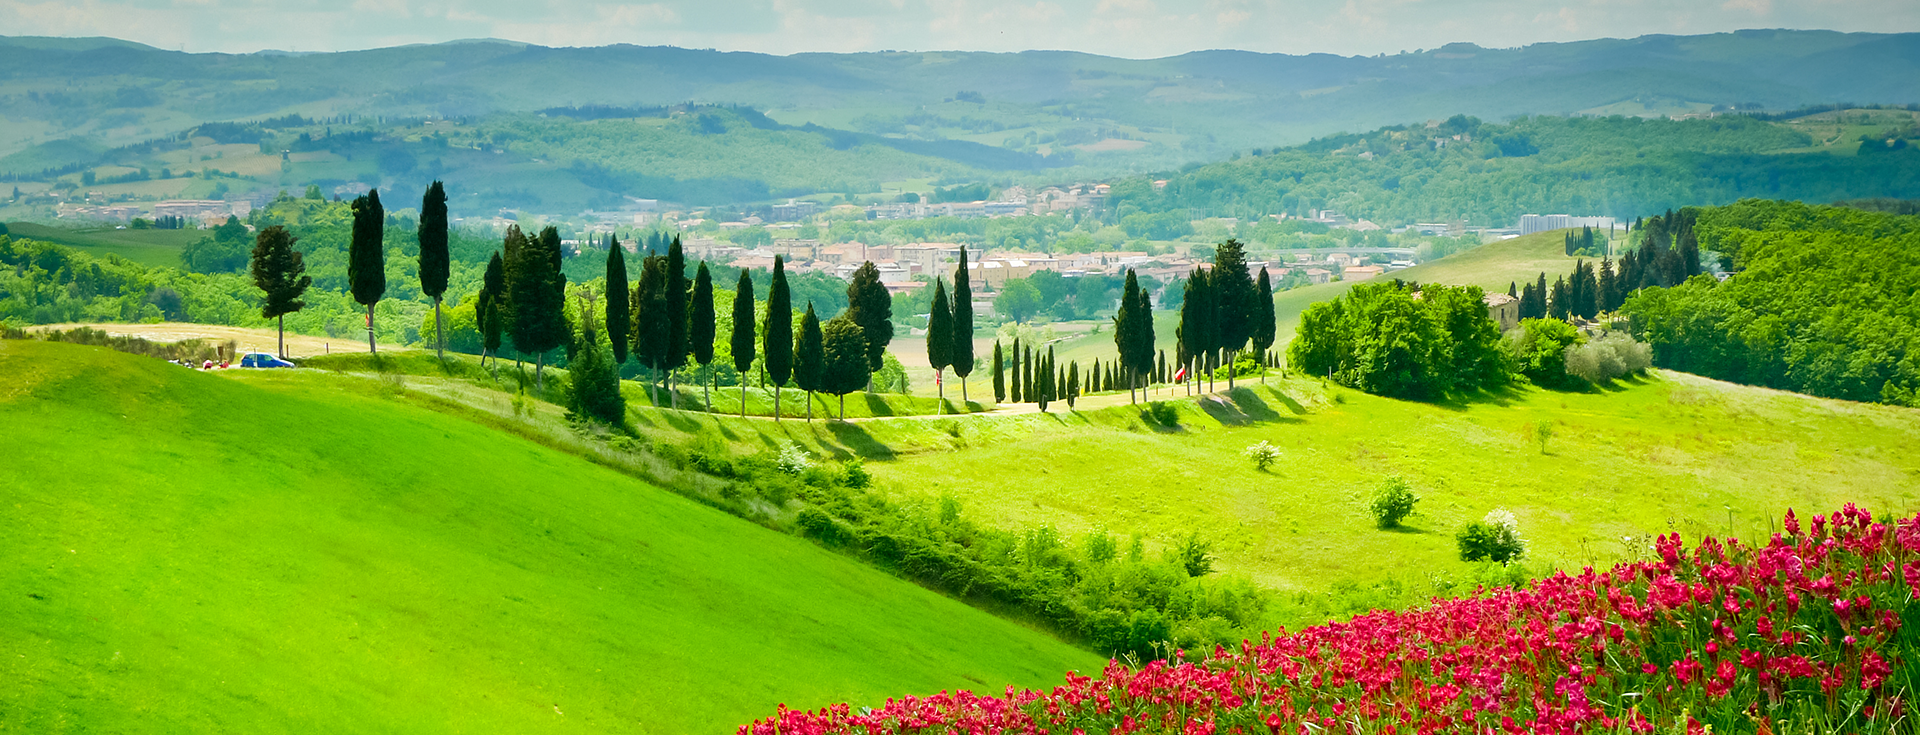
[[146, 247], [302, 552], [1496, 264], [1671, 452]]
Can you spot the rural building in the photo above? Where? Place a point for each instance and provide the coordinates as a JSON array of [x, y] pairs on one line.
[[1504, 310], [1360, 272]]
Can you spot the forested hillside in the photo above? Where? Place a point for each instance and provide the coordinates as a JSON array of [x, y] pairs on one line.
[[1489, 173], [1825, 301]]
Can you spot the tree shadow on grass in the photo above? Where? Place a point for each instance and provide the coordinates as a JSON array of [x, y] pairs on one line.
[[1503, 396], [877, 406], [854, 440], [1254, 408]]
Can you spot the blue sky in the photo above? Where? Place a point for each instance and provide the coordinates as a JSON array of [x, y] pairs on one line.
[[1130, 28]]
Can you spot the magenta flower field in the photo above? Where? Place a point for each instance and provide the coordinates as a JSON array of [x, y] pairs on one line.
[[1807, 633]]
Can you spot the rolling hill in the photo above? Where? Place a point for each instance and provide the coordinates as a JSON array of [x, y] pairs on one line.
[[300, 552], [119, 93]]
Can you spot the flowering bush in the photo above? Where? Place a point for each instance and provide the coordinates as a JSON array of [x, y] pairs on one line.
[[1262, 454], [793, 460], [1493, 538], [1806, 633]]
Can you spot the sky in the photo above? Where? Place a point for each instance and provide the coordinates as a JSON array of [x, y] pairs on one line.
[[1126, 28]]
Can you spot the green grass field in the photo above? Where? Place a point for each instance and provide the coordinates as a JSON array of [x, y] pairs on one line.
[[146, 247], [1671, 452], [1496, 264], [305, 552]]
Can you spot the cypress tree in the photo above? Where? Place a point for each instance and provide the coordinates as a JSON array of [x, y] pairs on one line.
[[809, 357], [1196, 321], [540, 307], [1234, 296], [366, 260], [1042, 381], [700, 329], [491, 311], [776, 338], [619, 304], [649, 322], [1073, 383], [596, 381], [677, 316], [961, 354], [940, 337], [1143, 332], [743, 333], [1013, 383], [1264, 324], [1124, 327], [1558, 307], [1608, 288], [1540, 309], [1027, 387], [999, 374], [280, 274], [870, 306], [845, 364], [433, 256]]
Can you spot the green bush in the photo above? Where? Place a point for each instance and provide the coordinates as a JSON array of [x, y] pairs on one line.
[[1495, 538], [1613, 355], [1538, 349], [1392, 503]]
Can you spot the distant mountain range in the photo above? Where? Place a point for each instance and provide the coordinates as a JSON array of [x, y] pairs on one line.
[[1194, 106]]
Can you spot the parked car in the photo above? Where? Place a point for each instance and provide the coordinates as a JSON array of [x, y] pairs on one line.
[[262, 360]]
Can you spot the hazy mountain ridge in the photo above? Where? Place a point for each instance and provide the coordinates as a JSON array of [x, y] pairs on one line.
[[1207, 102]]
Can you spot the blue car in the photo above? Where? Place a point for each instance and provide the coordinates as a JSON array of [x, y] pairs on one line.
[[262, 360]]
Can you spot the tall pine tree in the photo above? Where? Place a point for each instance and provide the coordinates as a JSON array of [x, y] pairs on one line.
[[678, 343], [940, 338], [701, 327], [619, 302], [999, 374], [1234, 297], [1264, 324], [742, 337], [433, 256], [961, 354], [280, 274], [366, 258], [870, 306], [809, 357], [491, 311], [776, 338]]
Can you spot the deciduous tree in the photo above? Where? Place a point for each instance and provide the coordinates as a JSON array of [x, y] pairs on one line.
[[280, 274]]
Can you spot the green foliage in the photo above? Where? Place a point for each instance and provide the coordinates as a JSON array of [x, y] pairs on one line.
[[1822, 303], [1613, 355], [1392, 502], [225, 252], [432, 239], [366, 269], [1495, 538], [1630, 164], [1381, 339], [940, 328], [960, 354], [1018, 300], [1263, 454], [844, 365], [595, 379], [777, 335], [1538, 350]]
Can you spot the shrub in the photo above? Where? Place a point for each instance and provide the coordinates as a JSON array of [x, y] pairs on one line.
[[1392, 503], [793, 460], [1163, 413], [1538, 349], [1613, 355], [1262, 454], [1493, 538], [857, 476], [1543, 433]]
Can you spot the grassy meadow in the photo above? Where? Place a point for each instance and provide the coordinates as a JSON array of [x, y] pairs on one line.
[[146, 247], [301, 552], [1669, 452]]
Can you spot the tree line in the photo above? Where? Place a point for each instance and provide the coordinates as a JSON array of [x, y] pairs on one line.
[[1667, 253]]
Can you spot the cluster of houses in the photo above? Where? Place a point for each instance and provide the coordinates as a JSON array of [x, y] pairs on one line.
[[209, 212], [1015, 201]]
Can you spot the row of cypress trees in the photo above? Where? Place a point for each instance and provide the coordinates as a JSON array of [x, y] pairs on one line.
[[279, 271], [1225, 308], [950, 329]]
